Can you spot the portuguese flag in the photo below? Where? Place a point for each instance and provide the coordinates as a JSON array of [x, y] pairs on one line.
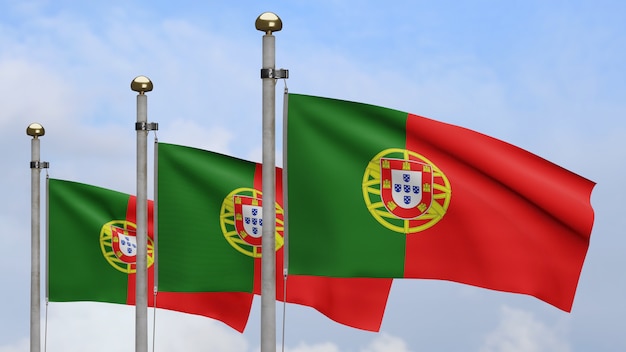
[[91, 255], [210, 212], [375, 192]]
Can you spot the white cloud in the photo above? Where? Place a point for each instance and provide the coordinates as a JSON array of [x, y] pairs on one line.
[[189, 132], [184, 332], [383, 342], [31, 92], [320, 347], [387, 343], [22, 345], [520, 331], [88, 326]]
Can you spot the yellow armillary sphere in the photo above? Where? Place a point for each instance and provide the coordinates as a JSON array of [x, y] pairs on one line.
[[404, 191], [118, 245], [240, 218]]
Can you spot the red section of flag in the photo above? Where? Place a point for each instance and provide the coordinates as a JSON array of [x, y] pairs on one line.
[[515, 223], [231, 308], [355, 302], [131, 216]]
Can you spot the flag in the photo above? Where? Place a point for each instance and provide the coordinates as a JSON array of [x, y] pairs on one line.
[[375, 192], [91, 255], [210, 225]]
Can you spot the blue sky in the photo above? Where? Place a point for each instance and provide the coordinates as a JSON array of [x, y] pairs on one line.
[[546, 76]]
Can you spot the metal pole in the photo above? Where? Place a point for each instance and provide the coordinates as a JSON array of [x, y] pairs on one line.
[[268, 23], [268, 260], [142, 84], [35, 130]]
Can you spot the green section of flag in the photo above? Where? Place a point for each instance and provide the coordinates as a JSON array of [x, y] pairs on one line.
[[78, 270], [193, 253], [330, 143]]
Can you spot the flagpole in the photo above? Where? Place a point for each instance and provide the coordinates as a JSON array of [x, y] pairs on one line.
[[268, 22], [142, 84], [35, 130]]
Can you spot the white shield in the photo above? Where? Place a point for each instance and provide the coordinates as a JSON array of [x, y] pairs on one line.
[[128, 245], [252, 220], [406, 188]]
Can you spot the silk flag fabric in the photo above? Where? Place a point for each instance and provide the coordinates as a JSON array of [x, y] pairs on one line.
[[375, 192], [92, 250], [210, 212]]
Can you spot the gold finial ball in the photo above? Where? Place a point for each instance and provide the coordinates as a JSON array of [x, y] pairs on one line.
[[141, 84], [268, 22], [35, 130]]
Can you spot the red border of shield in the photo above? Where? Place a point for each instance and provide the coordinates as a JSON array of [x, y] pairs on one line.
[[388, 164]]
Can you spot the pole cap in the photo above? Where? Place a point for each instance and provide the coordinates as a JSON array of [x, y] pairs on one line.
[[268, 22], [141, 84], [35, 130]]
